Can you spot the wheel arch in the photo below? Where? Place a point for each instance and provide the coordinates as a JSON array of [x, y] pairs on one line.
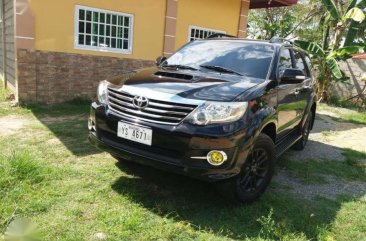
[[270, 130], [313, 110]]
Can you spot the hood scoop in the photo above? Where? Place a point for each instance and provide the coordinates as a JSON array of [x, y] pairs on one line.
[[174, 75]]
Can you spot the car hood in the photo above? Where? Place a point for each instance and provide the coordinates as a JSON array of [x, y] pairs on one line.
[[188, 84]]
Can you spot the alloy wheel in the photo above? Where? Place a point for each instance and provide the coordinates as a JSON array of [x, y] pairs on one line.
[[255, 171]]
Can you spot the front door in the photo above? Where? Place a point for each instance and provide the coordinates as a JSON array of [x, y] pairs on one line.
[[291, 96], [305, 88]]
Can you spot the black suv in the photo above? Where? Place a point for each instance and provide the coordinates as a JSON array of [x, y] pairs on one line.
[[220, 109]]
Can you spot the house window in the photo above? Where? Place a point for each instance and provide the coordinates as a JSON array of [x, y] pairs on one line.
[[200, 33], [102, 30]]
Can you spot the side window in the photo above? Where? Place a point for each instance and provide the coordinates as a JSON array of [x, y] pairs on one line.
[[285, 60], [299, 62]]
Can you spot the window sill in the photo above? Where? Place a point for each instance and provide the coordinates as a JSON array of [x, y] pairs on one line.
[[102, 50]]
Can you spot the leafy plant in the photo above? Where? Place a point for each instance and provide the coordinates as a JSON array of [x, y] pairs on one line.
[[345, 25], [268, 230], [285, 22]]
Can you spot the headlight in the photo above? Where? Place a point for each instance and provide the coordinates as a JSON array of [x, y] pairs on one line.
[[102, 92], [217, 112]]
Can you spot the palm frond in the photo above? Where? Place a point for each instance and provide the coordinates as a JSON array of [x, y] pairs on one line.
[[332, 9]]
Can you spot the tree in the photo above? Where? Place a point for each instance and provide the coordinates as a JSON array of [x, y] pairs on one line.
[[287, 22], [267, 23], [341, 40], [333, 30]]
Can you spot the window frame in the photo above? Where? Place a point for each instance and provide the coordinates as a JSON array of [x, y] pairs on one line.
[[203, 29], [99, 48]]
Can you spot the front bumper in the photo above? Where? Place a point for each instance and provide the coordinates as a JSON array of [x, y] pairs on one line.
[[173, 146]]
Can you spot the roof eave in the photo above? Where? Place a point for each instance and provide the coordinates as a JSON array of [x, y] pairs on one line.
[[271, 3]]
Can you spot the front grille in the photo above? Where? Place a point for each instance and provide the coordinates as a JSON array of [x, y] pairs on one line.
[[157, 111]]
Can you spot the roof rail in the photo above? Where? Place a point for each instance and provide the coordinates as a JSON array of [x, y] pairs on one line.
[[220, 35], [280, 40]]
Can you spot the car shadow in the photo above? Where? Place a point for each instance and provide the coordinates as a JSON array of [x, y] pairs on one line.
[[198, 203], [68, 123]]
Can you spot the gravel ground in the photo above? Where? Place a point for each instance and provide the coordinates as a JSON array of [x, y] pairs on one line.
[[325, 143], [329, 137], [331, 189], [11, 124]]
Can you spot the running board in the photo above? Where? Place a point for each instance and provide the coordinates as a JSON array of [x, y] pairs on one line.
[[287, 142]]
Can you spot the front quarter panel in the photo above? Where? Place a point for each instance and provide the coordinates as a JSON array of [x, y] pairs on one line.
[[261, 112]]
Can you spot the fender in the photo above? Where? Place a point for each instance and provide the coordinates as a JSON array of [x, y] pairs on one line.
[[310, 103]]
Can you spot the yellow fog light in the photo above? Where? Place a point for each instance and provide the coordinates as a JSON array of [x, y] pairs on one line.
[[216, 158]]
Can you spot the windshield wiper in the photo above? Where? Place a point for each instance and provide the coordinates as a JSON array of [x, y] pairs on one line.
[[179, 66], [220, 69]]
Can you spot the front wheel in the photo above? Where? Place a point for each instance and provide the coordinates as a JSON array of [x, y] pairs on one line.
[[256, 172]]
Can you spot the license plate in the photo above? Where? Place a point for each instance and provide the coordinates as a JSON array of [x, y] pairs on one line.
[[134, 133]]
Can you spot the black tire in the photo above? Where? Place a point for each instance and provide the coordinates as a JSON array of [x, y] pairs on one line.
[[305, 131], [256, 173], [116, 157]]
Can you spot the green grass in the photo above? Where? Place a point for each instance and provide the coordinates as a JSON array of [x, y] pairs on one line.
[[353, 157], [4, 93], [313, 171], [6, 107], [52, 175], [356, 117], [21, 179], [338, 102]]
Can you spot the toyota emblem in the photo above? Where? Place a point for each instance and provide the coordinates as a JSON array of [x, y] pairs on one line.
[[140, 102]]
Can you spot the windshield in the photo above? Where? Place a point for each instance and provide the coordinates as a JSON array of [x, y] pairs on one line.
[[249, 59]]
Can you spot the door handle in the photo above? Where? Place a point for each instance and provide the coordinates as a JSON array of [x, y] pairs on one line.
[[297, 91]]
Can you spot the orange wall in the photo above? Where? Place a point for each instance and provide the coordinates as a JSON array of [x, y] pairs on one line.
[[213, 14], [54, 25]]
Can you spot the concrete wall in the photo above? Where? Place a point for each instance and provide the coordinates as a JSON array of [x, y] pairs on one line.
[[7, 43], [1, 41], [354, 68]]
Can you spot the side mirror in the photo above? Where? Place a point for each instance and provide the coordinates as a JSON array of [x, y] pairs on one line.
[[292, 76], [160, 60]]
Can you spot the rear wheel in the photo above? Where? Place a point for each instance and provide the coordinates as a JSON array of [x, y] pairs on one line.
[[305, 131], [256, 173]]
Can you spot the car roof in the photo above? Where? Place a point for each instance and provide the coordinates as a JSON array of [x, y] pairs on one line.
[[273, 42], [264, 42]]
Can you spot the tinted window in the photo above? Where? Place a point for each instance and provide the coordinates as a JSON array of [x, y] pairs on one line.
[[285, 61], [299, 62], [249, 59]]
